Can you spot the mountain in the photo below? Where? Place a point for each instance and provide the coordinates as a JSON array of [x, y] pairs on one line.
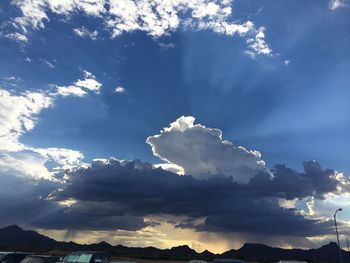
[[259, 252], [15, 238]]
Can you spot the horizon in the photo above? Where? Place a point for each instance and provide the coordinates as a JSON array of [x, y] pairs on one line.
[[207, 123], [115, 245]]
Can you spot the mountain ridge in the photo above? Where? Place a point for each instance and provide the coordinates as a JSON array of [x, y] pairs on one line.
[[14, 237]]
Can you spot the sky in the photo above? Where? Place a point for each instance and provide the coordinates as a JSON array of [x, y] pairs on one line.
[[170, 122]]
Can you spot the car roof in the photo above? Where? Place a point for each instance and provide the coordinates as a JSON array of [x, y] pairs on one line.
[[227, 260], [89, 252], [42, 256], [11, 252]]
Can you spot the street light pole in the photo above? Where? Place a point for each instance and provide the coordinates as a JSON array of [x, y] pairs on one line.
[[336, 231]]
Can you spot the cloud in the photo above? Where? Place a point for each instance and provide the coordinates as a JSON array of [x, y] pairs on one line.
[[84, 32], [19, 112], [257, 44], [109, 194], [11, 78], [47, 63], [71, 90], [156, 18], [167, 45], [23, 202], [65, 158], [29, 174], [171, 168], [17, 37], [202, 152], [119, 89], [289, 184], [89, 82], [214, 197], [19, 115], [39, 164], [328, 205], [24, 163], [81, 87], [21, 199], [336, 4], [118, 187]]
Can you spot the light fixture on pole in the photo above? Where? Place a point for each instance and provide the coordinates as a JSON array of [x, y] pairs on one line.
[[336, 231]]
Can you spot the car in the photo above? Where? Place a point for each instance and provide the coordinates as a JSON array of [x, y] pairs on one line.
[[12, 257], [227, 260], [197, 261], [86, 257], [40, 259]]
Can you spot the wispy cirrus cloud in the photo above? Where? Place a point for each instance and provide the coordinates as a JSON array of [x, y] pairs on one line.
[[17, 37]]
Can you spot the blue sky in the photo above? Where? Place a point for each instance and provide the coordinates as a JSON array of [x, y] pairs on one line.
[[280, 87]]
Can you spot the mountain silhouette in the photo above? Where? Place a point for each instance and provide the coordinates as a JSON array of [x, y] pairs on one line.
[[15, 238]]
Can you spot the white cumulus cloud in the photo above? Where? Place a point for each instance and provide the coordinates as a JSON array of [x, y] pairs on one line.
[[202, 152], [171, 168], [155, 17], [71, 90], [119, 89], [335, 4], [84, 32], [81, 87], [65, 158], [24, 163], [19, 114], [257, 44]]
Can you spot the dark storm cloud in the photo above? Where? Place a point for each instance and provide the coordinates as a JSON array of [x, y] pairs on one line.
[[137, 189], [23, 202], [90, 216], [290, 184], [263, 216], [21, 199]]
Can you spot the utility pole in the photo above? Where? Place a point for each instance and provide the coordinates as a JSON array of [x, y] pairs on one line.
[[336, 231]]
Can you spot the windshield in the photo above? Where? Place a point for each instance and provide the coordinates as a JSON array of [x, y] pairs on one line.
[[79, 258]]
